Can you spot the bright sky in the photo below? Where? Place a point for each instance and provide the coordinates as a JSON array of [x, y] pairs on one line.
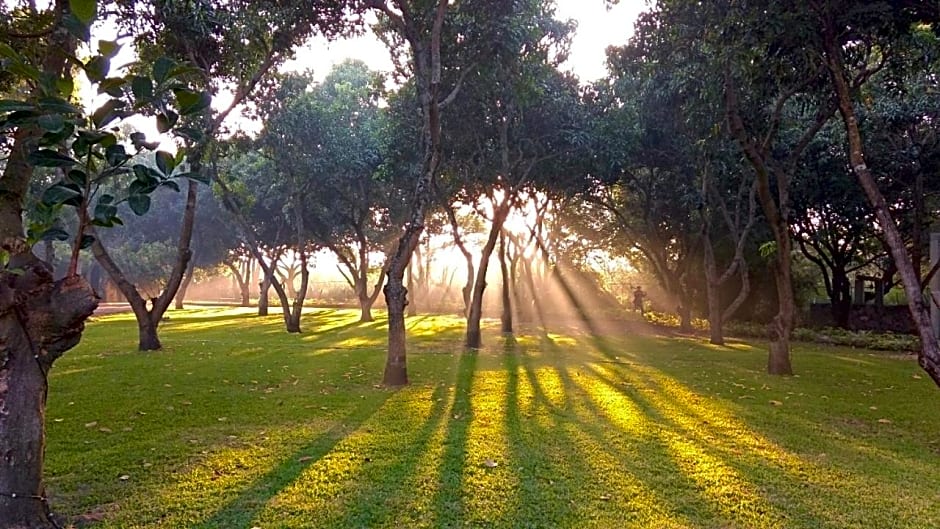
[[598, 27]]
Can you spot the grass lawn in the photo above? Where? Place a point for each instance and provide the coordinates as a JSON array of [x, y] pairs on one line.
[[236, 424]]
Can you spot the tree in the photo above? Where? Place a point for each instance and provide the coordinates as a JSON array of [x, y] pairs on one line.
[[232, 43], [420, 25], [332, 134], [855, 42], [40, 317]]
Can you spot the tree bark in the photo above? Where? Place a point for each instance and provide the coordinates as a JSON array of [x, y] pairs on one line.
[[148, 320], [184, 286], [929, 355], [506, 315], [426, 62], [473, 338], [40, 319]]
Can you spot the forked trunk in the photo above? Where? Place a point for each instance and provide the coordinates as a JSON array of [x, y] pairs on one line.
[[473, 338], [506, 316], [396, 370]]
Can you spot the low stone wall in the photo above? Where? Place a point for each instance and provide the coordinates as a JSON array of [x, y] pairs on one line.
[[890, 318]]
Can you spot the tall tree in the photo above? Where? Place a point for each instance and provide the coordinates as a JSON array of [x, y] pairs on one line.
[[332, 133], [235, 45]]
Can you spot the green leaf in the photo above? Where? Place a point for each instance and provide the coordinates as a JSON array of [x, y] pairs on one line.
[[116, 154], [139, 204], [105, 212], [84, 10], [50, 158], [161, 69], [87, 241], [78, 177], [61, 193], [106, 199], [165, 162], [51, 122], [97, 68], [113, 86], [171, 184], [54, 234], [9, 105], [142, 88], [65, 86], [108, 48], [108, 112], [166, 121], [186, 97], [76, 27], [58, 105], [9, 52], [201, 102]]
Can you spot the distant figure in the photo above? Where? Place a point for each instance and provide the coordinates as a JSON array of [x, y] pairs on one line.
[[638, 297]]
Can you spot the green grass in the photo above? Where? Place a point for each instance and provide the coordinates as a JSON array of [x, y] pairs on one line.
[[236, 424]]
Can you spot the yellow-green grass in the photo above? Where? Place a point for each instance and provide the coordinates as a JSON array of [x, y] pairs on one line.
[[236, 424]]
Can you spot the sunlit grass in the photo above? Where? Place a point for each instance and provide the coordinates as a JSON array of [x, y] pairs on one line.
[[236, 424]]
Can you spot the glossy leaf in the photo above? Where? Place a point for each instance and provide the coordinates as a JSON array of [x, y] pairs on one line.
[[165, 162], [139, 204], [50, 158]]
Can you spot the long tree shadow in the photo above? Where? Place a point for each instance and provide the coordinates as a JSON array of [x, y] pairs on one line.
[[240, 511], [448, 499]]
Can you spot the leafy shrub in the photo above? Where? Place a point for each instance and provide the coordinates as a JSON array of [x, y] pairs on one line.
[[828, 335]]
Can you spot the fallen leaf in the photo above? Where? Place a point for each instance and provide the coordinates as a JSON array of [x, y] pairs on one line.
[[222, 419], [916, 376], [124, 477], [605, 497], [776, 403], [489, 463], [104, 430], [91, 424], [304, 459], [884, 421], [873, 407]]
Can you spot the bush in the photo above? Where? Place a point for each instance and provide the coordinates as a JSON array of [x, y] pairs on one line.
[[886, 341]]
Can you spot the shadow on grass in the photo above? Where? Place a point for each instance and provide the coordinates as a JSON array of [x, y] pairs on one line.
[[239, 512]]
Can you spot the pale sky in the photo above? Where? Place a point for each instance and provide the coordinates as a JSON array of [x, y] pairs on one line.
[[598, 27]]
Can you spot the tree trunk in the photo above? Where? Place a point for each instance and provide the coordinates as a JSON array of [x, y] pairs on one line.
[[149, 320], [412, 309], [473, 338], [506, 315], [39, 321], [685, 316], [264, 289], [366, 300], [841, 300], [184, 286], [778, 361], [426, 61], [147, 332], [715, 323], [929, 357]]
